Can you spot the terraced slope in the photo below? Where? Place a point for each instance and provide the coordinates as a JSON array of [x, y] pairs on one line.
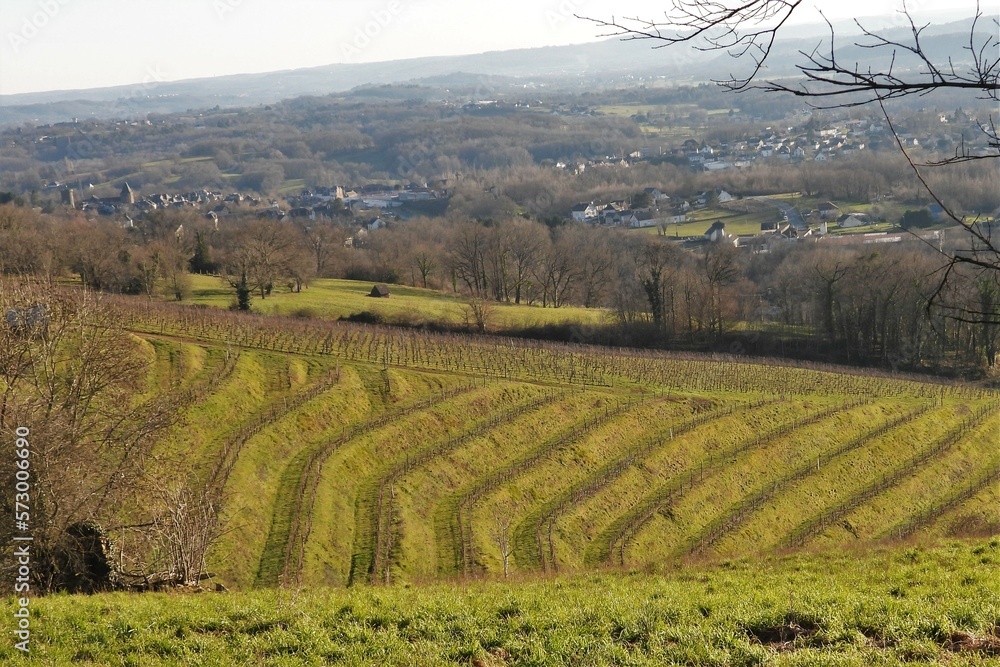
[[342, 454]]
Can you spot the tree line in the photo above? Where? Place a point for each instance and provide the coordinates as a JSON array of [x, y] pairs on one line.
[[860, 304]]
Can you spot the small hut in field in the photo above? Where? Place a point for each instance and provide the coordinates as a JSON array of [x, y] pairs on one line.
[[380, 292]]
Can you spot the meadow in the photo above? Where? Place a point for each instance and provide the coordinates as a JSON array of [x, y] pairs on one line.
[[411, 306], [932, 605]]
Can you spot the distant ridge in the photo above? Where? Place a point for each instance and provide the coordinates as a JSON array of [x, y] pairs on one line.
[[591, 66]]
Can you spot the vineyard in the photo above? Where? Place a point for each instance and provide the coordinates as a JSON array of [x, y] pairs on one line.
[[347, 454]]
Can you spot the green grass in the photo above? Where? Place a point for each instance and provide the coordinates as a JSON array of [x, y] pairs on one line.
[[739, 224], [424, 526], [237, 557], [407, 305], [293, 185], [349, 457], [919, 605]]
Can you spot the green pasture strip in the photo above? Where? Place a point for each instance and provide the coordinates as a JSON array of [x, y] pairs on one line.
[[733, 517], [827, 484], [163, 365], [666, 534], [566, 465], [519, 359], [238, 386], [420, 491], [813, 525], [331, 548], [282, 556], [535, 530], [960, 493], [367, 564], [574, 532], [616, 538], [257, 383], [412, 306], [977, 516], [933, 604], [274, 411], [944, 483], [453, 516], [254, 486], [374, 527]]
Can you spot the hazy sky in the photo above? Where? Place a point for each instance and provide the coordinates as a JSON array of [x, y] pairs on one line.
[[69, 44]]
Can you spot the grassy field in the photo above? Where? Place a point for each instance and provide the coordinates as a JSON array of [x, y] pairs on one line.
[[407, 305], [548, 504], [351, 454], [906, 606], [739, 224]]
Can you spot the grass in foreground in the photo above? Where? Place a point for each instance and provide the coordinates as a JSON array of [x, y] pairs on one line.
[[921, 605]]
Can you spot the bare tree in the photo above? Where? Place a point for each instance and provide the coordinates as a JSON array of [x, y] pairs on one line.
[[184, 528], [747, 30], [467, 257], [596, 264], [425, 262], [652, 265], [503, 518], [720, 267], [558, 271], [479, 313], [324, 239], [257, 258], [528, 241], [71, 376]]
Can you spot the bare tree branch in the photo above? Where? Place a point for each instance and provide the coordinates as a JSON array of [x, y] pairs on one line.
[[748, 29]]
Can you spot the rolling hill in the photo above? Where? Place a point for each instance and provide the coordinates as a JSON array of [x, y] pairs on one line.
[[351, 454]]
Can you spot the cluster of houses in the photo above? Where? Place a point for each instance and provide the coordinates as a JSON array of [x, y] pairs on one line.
[[792, 144], [127, 202], [772, 233], [372, 196], [372, 204], [663, 210]]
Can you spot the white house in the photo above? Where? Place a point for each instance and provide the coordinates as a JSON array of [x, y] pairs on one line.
[[584, 212], [656, 194], [717, 232], [851, 220], [828, 210]]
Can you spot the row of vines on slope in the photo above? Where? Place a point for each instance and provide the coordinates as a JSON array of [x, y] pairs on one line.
[[506, 358]]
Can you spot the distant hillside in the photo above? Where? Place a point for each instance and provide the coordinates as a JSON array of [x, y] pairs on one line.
[[593, 66]]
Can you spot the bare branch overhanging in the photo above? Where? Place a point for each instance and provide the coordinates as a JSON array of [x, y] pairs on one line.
[[749, 28]]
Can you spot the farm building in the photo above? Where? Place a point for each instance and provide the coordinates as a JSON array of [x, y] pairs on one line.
[[380, 292]]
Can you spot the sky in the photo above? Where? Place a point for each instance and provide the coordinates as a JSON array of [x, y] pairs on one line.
[[75, 44]]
